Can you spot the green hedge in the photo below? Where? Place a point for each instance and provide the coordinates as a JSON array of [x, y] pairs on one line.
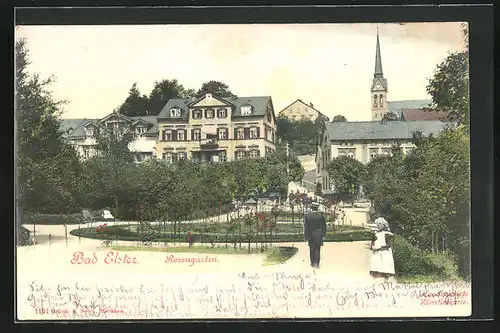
[[122, 233], [411, 261], [51, 219]]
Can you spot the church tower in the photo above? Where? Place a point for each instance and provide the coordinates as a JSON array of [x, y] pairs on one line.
[[379, 87]]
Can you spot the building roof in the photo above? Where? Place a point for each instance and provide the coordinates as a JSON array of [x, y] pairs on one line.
[[378, 130], [420, 114], [378, 60], [76, 127], [259, 104], [308, 105], [398, 106]]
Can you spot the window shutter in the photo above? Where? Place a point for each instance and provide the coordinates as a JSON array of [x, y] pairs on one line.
[[247, 133], [163, 135], [185, 134], [235, 155], [192, 134], [235, 133], [258, 152], [174, 135], [185, 156], [258, 132]]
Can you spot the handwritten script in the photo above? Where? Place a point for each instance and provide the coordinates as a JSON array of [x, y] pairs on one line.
[[242, 295]]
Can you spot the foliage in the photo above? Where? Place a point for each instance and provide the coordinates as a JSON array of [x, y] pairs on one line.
[[163, 91], [216, 88], [301, 135], [23, 236], [135, 104], [425, 196], [449, 87], [47, 167], [412, 261], [390, 116], [339, 118], [346, 174]]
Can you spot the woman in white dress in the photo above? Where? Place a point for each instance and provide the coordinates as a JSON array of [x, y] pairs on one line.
[[382, 261]]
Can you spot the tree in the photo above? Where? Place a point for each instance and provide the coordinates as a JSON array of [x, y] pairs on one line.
[[339, 118], [216, 88], [163, 91], [47, 166], [449, 87], [346, 175], [135, 104], [295, 169], [390, 116]]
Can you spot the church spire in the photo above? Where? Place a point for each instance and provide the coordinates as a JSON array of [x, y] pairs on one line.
[[378, 60]]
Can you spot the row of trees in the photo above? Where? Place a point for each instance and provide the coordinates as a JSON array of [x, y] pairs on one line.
[[138, 104], [301, 134]]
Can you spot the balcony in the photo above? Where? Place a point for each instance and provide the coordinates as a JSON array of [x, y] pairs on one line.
[[211, 143]]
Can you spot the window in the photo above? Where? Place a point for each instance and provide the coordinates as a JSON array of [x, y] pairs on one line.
[[350, 154], [180, 135], [196, 114], [381, 101], [240, 154], [408, 150], [168, 135], [221, 113], [196, 134], [181, 156], [254, 153], [167, 157], [140, 129], [374, 101], [175, 112], [246, 110], [254, 132], [209, 113], [222, 133], [89, 131], [223, 156], [86, 152], [240, 133]]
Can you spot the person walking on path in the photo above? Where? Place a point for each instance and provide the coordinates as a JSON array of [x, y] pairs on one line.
[[314, 232]]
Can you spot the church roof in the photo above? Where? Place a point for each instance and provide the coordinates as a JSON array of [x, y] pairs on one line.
[[398, 106], [378, 60], [378, 130], [419, 114]]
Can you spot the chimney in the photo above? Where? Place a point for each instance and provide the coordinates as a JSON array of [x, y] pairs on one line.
[[311, 105]]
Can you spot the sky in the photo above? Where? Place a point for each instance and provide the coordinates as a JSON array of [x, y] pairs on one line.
[[329, 65]]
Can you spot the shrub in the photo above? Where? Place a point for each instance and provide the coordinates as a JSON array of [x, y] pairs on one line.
[[411, 261]]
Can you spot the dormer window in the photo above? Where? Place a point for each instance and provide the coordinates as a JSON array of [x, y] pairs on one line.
[[175, 112], [140, 129], [89, 131], [246, 110]]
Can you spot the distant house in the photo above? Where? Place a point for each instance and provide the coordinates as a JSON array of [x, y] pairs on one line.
[[364, 140], [300, 110]]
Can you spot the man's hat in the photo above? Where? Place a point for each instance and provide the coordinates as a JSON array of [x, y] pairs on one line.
[[315, 205]]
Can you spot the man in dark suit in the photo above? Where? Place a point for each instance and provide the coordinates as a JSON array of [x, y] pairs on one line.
[[314, 231]]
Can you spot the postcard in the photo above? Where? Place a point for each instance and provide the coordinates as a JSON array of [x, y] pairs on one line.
[[242, 171]]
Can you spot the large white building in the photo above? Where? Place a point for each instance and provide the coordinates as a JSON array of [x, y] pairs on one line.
[[364, 140], [207, 128]]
